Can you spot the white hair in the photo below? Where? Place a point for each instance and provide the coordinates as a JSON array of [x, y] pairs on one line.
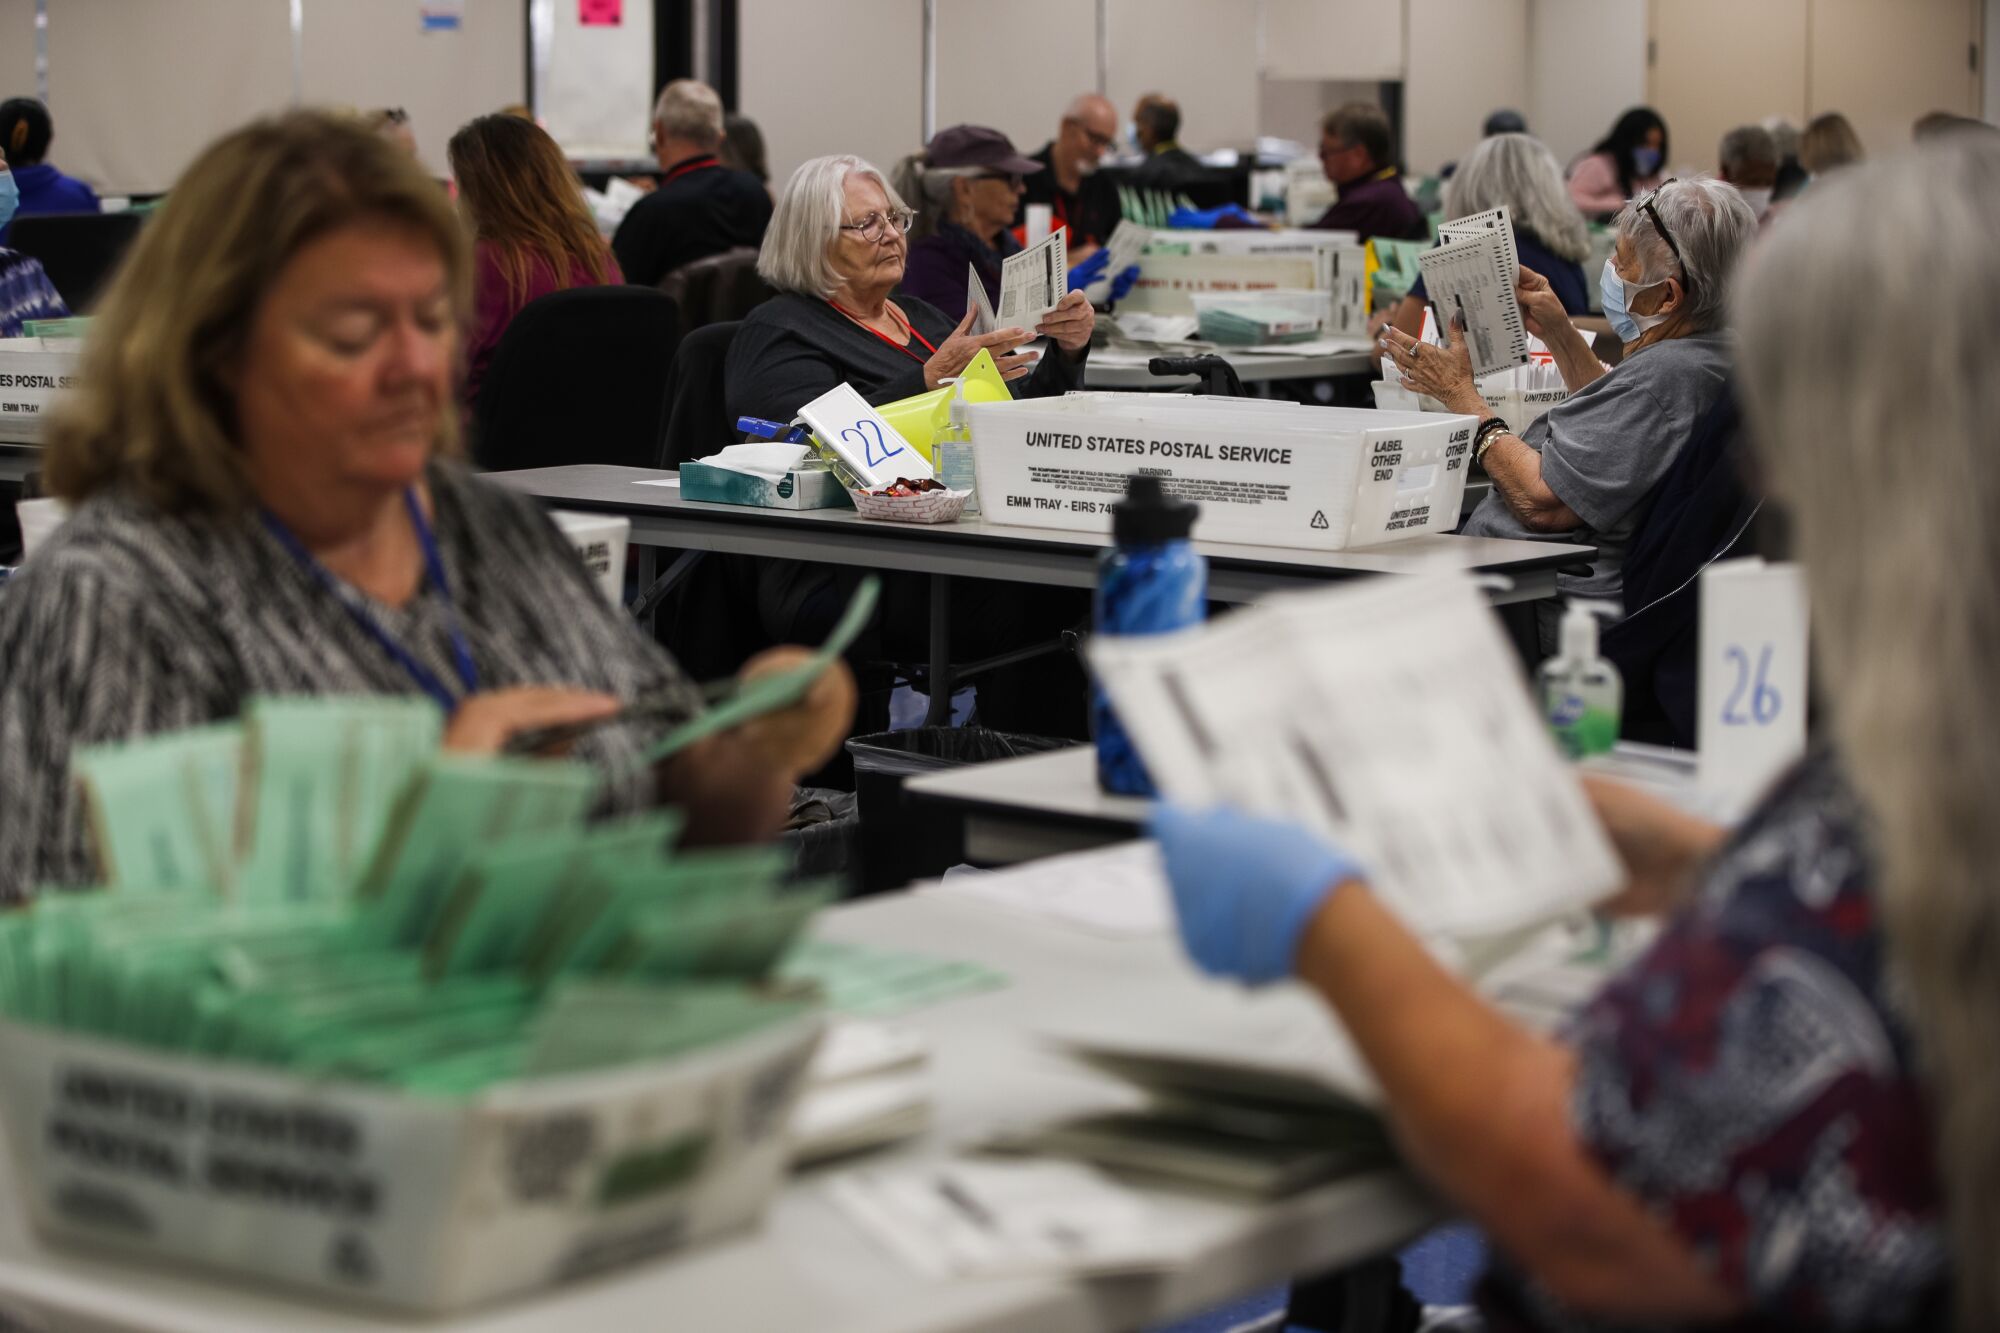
[[1518, 170], [806, 223], [1747, 145], [689, 109], [1710, 224], [1885, 456]]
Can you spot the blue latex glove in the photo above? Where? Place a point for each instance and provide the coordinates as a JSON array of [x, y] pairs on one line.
[[1208, 219], [1244, 887], [1123, 283], [1089, 271]]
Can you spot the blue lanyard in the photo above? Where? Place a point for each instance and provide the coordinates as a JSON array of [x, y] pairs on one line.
[[357, 609]]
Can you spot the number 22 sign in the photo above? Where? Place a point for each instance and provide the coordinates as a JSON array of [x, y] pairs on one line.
[[869, 446], [1752, 683]]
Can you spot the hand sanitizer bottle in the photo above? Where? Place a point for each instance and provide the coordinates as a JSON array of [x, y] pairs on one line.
[[1580, 692], [954, 447], [1151, 581]]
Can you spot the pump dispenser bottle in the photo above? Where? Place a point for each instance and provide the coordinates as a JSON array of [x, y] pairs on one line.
[[1580, 692], [954, 447]]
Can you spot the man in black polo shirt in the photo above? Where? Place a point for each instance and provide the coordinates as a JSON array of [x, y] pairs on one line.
[[701, 207], [1081, 199]]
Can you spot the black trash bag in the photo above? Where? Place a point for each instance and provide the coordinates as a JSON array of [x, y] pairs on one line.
[[898, 844]]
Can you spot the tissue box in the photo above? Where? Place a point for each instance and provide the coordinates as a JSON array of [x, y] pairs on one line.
[[422, 1204], [801, 488]]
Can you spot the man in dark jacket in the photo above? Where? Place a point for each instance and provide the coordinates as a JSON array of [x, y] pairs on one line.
[[700, 207], [1069, 183], [1356, 152]]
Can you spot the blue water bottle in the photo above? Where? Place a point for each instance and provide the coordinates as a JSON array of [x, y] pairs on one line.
[[1151, 581]]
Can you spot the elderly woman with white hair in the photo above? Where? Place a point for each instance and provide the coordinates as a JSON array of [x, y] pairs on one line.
[[1585, 471], [1782, 1114], [836, 250], [1518, 172]]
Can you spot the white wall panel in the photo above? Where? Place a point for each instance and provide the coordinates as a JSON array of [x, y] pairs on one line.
[[1586, 64], [828, 77], [1331, 40], [138, 87], [1201, 53], [1467, 58], [999, 68], [17, 48], [374, 53]]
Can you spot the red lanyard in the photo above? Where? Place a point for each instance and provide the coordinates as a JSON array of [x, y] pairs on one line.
[[701, 163], [903, 347]]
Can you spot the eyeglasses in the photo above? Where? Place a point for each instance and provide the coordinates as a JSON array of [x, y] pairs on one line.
[[872, 228], [1646, 207], [1101, 142]]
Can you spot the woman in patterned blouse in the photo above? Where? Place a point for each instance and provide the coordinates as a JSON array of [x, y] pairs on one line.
[[261, 457], [1786, 1113]]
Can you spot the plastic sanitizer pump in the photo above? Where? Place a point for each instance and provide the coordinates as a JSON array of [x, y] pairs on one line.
[[1580, 692], [954, 446]]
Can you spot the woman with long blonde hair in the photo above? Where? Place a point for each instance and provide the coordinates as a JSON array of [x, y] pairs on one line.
[[532, 232]]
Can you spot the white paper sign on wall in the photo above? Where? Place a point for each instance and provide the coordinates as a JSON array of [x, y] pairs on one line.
[[1751, 688], [869, 445]]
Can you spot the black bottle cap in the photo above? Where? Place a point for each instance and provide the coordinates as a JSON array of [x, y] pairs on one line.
[[1148, 514]]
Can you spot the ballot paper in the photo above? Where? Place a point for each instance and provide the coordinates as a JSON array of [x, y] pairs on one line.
[[971, 1218], [1471, 275], [1128, 242], [1032, 283], [1391, 717], [162, 810]]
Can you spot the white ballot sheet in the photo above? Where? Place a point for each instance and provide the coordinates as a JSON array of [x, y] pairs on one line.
[[1032, 283], [1472, 274], [1390, 716]]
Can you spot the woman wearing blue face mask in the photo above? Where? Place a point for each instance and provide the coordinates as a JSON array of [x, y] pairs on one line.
[[1626, 164], [1585, 471], [25, 290]]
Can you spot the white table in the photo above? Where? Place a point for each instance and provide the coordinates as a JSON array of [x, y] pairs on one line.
[[1046, 804], [1123, 367], [809, 1268]]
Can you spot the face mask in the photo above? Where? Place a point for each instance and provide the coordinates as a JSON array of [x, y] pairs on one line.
[[1759, 200], [10, 197], [1628, 326], [1645, 161]]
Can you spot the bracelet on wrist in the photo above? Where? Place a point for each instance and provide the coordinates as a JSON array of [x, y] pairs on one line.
[[1489, 430]]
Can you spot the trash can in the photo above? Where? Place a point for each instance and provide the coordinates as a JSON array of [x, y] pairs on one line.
[[897, 844]]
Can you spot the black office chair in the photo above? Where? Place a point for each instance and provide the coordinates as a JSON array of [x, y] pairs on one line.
[[79, 251], [717, 289], [698, 421], [580, 376]]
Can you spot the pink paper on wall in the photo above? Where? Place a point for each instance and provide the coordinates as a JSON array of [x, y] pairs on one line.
[[600, 13]]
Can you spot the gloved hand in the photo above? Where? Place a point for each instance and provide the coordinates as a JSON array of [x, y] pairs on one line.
[[1245, 887], [1208, 219], [1122, 285], [1089, 271]]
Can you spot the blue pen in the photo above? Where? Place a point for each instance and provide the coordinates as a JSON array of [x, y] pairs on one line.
[[771, 430]]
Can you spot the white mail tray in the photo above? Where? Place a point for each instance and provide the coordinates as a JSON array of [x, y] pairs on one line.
[[1264, 473], [33, 373]]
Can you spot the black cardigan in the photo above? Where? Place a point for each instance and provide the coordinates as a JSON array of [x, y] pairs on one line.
[[794, 348]]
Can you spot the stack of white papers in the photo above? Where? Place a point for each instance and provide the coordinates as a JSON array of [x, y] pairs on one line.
[[1471, 274], [1390, 716], [970, 1218], [869, 1085]]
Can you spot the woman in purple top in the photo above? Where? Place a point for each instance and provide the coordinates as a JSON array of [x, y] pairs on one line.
[[25, 134], [533, 234], [966, 187]]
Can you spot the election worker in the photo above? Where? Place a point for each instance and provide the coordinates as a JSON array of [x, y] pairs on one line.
[[1079, 196], [968, 184], [25, 290], [1626, 163], [1780, 1114], [1357, 153], [26, 131], [1586, 469], [700, 207], [1517, 172], [532, 232], [835, 252], [262, 464]]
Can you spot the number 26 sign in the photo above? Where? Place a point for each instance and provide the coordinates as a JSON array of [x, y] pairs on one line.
[[1752, 682]]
